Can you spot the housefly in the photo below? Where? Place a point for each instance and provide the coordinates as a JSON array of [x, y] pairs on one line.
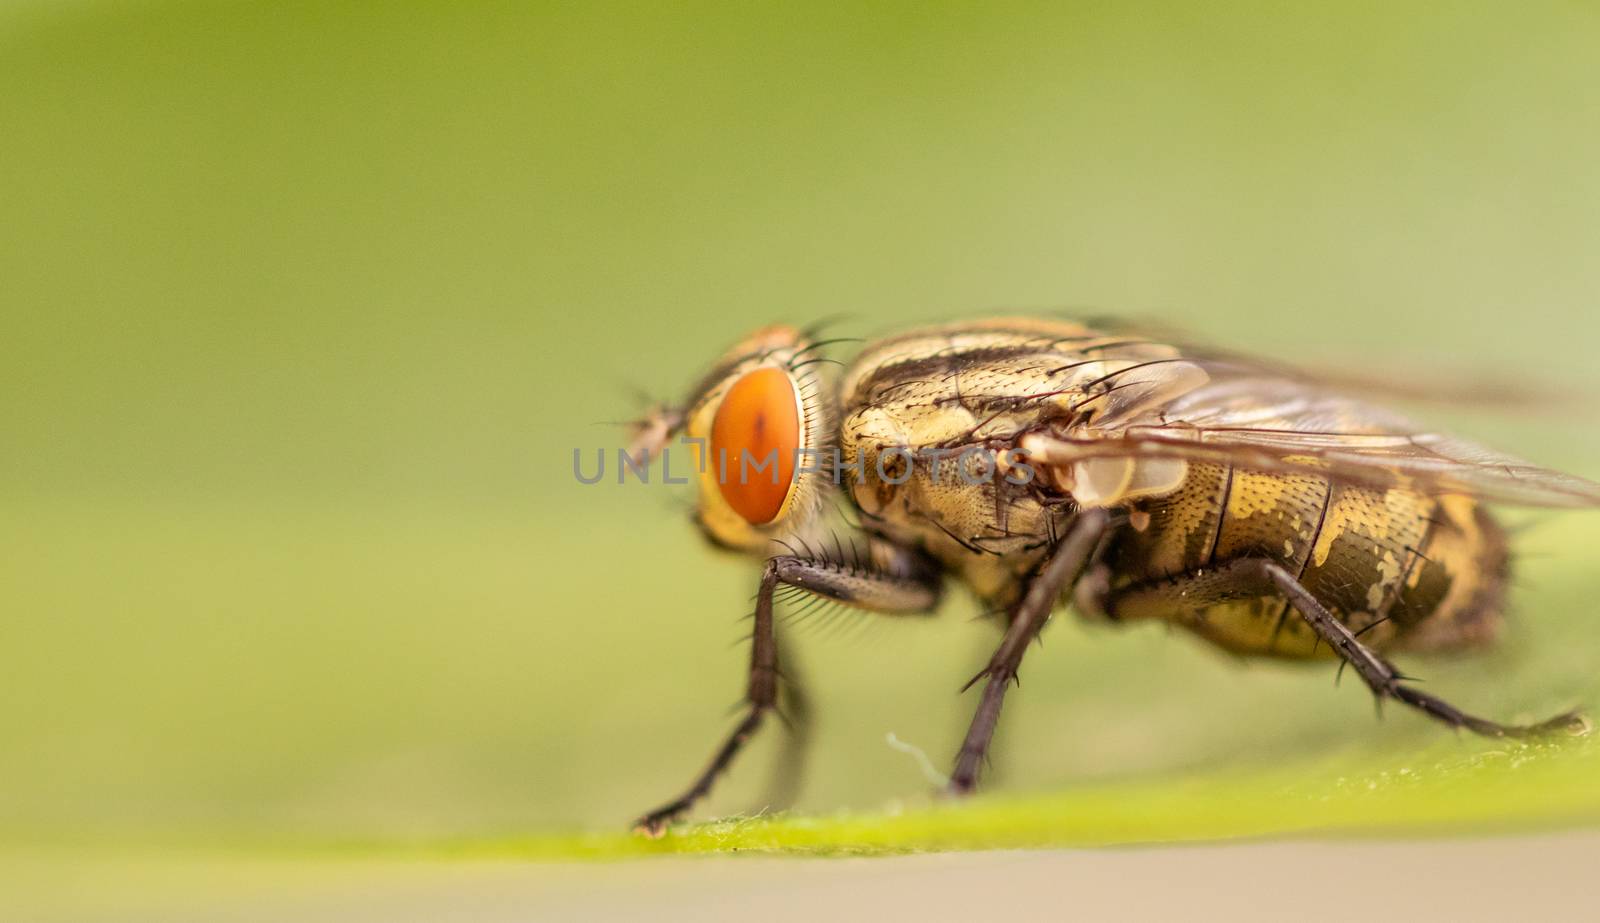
[[1043, 463]]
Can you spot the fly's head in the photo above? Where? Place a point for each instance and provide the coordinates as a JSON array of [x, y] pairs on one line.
[[759, 429]]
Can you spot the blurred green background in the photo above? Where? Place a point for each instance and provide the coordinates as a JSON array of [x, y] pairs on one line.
[[304, 307]]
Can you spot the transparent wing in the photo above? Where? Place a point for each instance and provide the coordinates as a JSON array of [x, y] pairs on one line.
[[1475, 388], [1254, 418]]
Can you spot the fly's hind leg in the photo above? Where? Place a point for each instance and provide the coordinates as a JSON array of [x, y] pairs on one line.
[[906, 584], [1380, 676]]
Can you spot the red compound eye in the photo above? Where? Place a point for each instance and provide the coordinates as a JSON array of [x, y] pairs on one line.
[[754, 438]]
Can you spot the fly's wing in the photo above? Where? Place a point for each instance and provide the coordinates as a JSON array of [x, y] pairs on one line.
[[1256, 419], [1443, 386]]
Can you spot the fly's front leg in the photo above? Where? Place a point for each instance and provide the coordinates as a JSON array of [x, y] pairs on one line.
[[1061, 570], [794, 707], [1381, 676], [905, 584]]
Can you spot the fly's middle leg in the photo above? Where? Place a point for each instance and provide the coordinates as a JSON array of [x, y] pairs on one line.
[[1060, 571]]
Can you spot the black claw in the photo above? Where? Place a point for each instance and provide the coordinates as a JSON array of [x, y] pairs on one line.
[[960, 788], [1572, 723], [654, 825]]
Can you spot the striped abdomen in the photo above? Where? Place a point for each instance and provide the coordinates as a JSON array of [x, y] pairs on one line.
[[1397, 567]]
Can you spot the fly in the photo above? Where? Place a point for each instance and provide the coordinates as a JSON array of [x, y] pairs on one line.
[[1041, 463]]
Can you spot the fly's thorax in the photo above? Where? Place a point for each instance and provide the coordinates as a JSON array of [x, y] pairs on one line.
[[962, 505], [895, 360], [1007, 374], [922, 410]]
